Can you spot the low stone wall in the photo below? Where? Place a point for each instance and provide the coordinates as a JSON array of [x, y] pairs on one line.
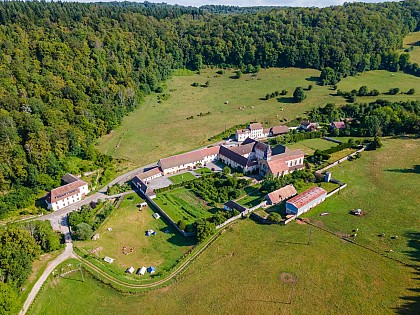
[[246, 212], [340, 160], [336, 190], [163, 213]]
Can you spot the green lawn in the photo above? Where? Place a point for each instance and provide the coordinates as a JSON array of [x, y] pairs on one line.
[[203, 170], [180, 178], [152, 122], [252, 198], [308, 146], [128, 230], [182, 204]]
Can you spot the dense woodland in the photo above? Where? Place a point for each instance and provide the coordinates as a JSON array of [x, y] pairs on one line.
[[69, 72]]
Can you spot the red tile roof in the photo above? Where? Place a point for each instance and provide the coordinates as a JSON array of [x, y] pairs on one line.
[[339, 124], [307, 196], [149, 173], [65, 191], [278, 130], [282, 194], [255, 126], [189, 157], [277, 164]]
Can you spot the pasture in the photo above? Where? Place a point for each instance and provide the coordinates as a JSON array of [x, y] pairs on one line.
[[129, 225], [156, 130], [243, 271], [182, 204], [413, 40]]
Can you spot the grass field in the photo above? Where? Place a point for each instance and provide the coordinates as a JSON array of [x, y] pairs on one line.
[[308, 146], [128, 229], [182, 204], [240, 272], [252, 198], [157, 130], [180, 178], [411, 40]]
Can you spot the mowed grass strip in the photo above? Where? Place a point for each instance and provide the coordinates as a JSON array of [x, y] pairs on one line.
[[182, 204], [156, 130], [129, 225], [180, 178]]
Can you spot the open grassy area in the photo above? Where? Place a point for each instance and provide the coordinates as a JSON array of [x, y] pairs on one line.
[[128, 230], [308, 146], [180, 178], [156, 130], [384, 184], [182, 204], [252, 198], [413, 40], [331, 276]]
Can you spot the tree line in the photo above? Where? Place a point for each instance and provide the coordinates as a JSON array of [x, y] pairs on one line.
[[69, 72], [20, 245]]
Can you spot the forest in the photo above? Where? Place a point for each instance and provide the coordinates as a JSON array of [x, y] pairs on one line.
[[69, 72]]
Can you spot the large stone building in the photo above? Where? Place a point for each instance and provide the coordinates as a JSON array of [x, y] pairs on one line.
[[73, 191], [250, 156], [256, 131]]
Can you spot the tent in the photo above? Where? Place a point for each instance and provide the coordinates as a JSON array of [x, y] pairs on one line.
[[156, 215], [130, 270], [141, 271], [151, 270], [109, 260], [150, 232]]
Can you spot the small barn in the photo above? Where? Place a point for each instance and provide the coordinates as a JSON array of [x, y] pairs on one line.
[[151, 270], [109, 260], [156, 215], [141, 271], [305, 201], [281, 194], [130, 270]]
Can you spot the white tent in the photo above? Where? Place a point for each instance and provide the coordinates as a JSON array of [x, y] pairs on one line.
[[142, 271], [130, 270], [156, 215], [109, 260]]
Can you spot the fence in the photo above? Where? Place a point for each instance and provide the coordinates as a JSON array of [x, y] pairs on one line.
[[340, 160], [242, 214], [336, 190], [163, 213]]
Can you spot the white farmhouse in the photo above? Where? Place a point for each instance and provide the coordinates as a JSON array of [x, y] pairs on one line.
[[75, 190]]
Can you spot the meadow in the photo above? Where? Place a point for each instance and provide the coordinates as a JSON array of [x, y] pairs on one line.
[[182, 204], [156, 130], [309, 146], [129, 225], [242, 271], [413, 40]]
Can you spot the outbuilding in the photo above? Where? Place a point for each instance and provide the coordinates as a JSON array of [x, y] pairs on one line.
[[305, 201]]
